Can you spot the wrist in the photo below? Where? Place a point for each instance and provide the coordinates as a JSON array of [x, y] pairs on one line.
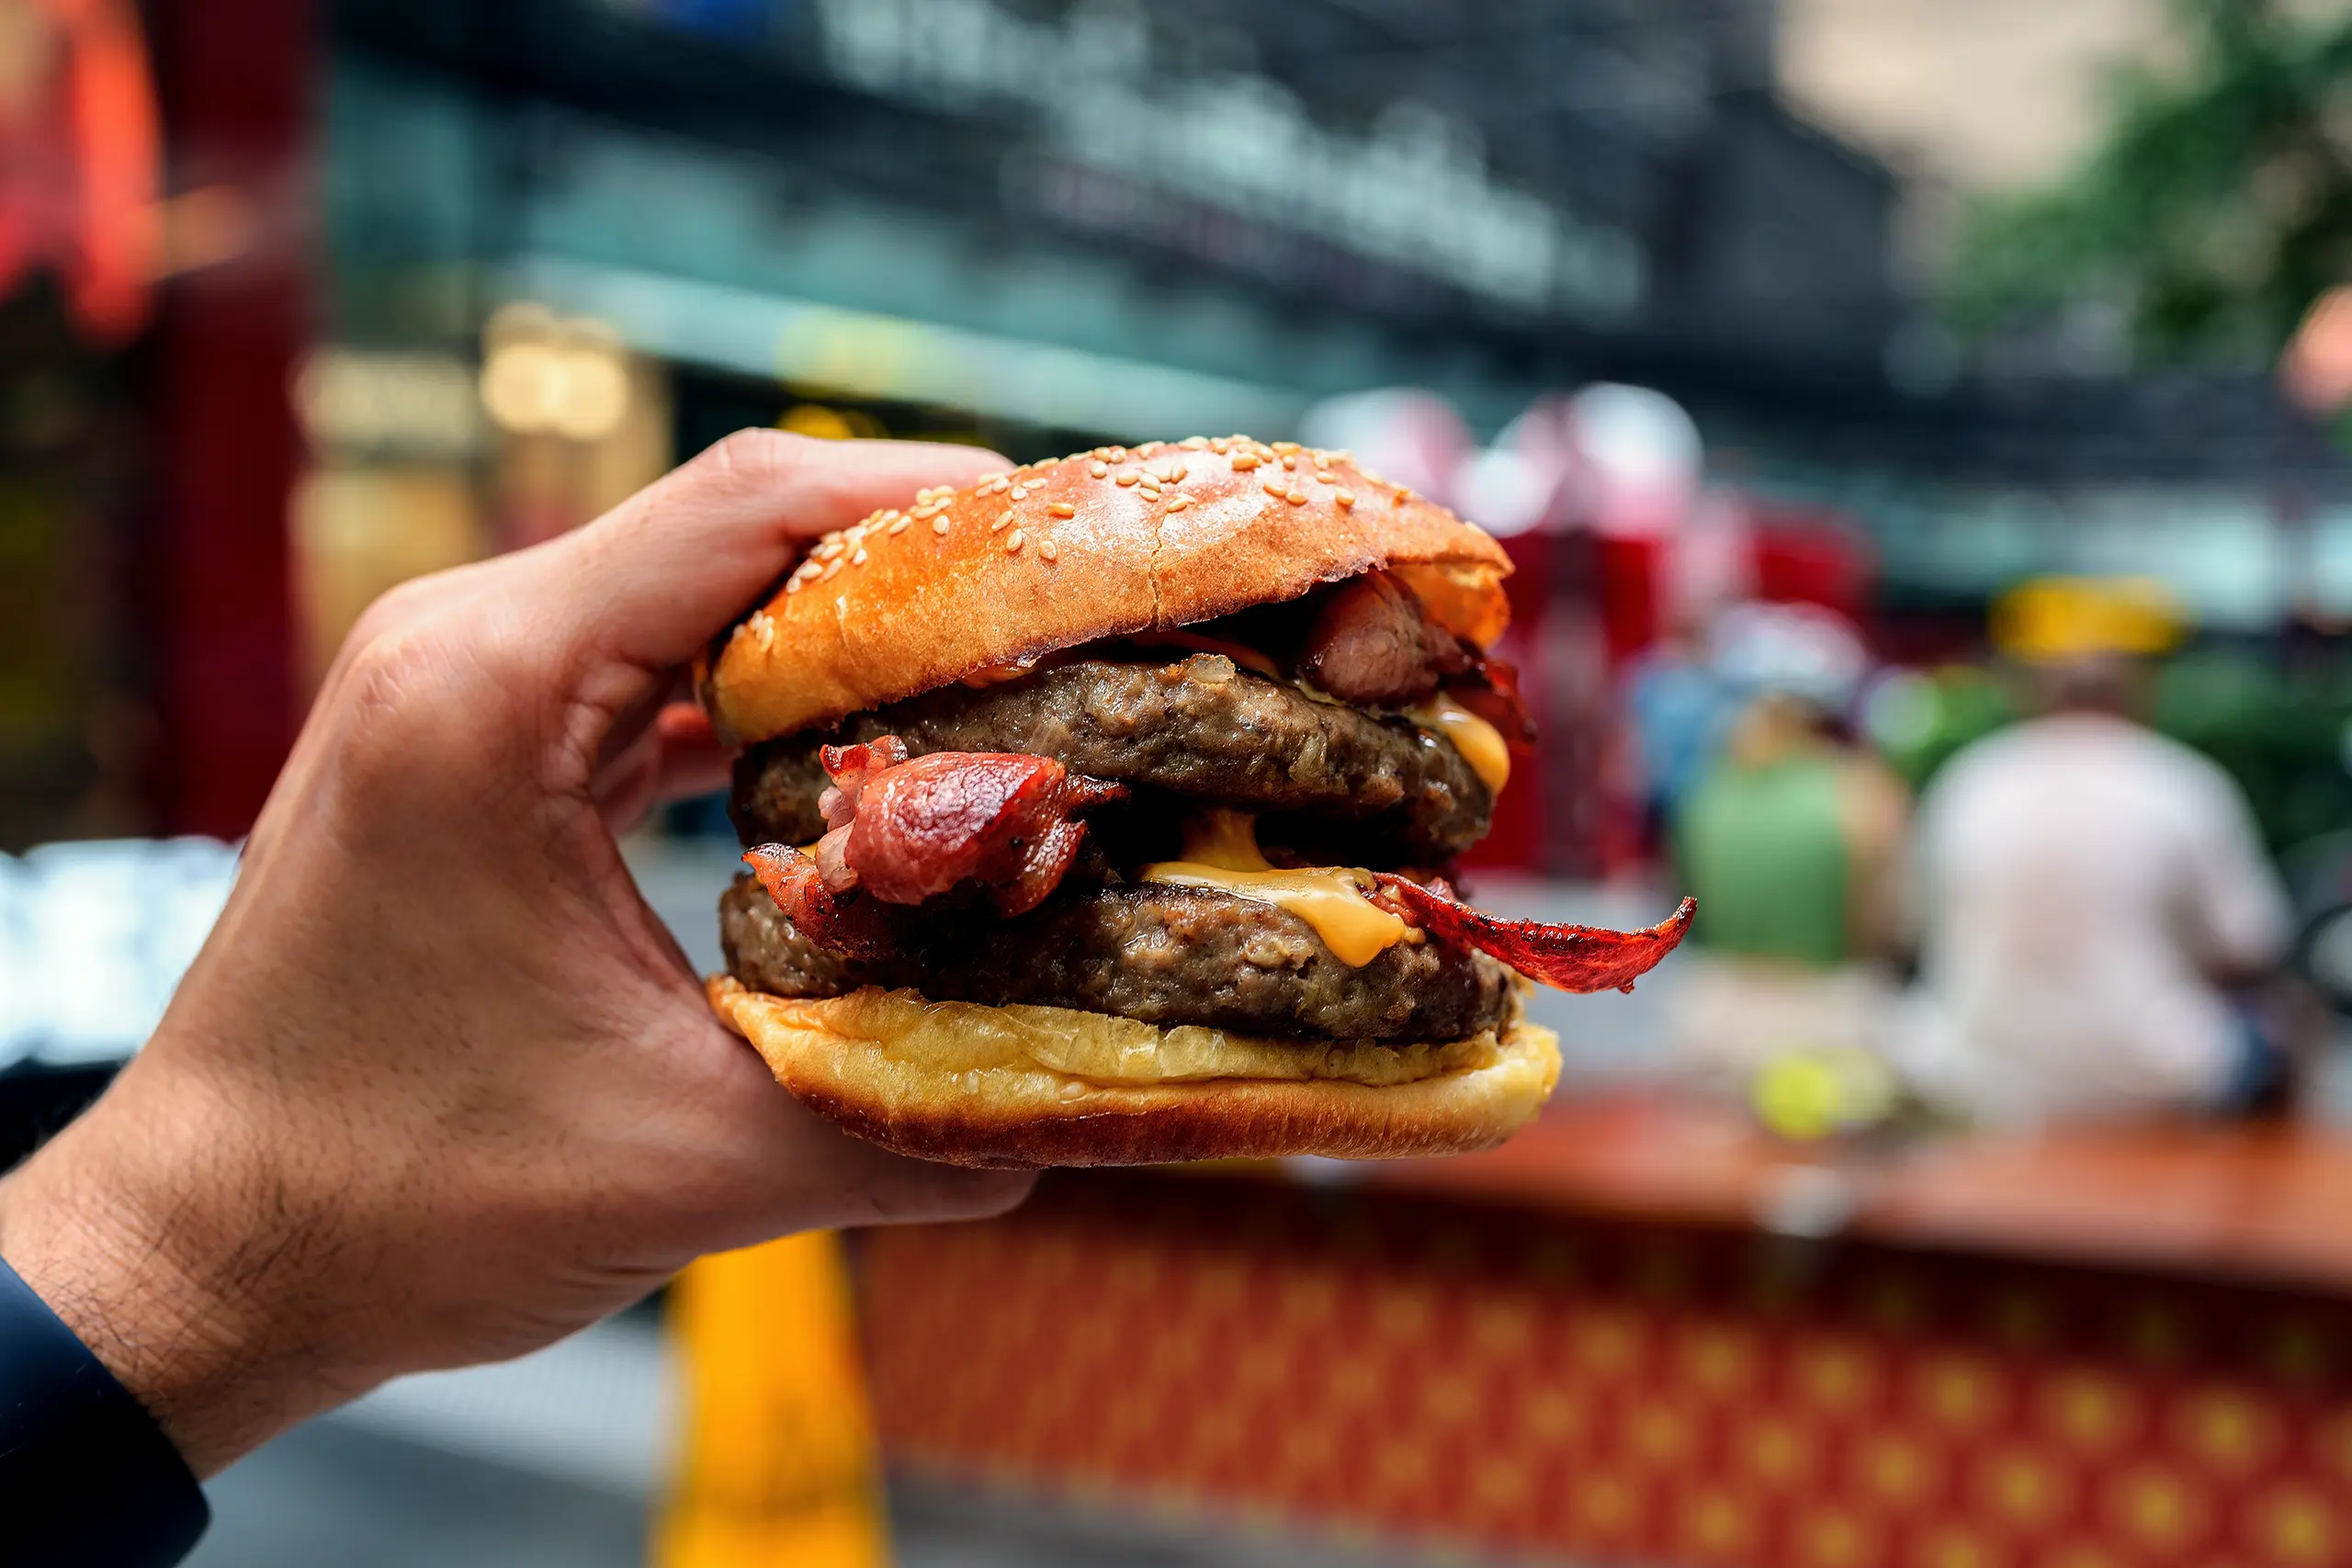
[[117, 1258]]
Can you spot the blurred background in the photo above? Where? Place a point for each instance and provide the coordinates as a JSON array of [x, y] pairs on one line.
[[1920, 429]]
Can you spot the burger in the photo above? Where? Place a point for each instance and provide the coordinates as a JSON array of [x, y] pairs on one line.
[[1103, 812]]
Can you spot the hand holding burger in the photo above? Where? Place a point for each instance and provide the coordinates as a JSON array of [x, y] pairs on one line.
[[440, 1087]]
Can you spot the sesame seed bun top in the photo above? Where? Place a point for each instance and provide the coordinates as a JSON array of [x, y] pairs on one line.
[[1101, 544]]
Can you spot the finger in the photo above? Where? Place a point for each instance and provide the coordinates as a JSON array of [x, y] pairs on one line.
[[651, 581], [800, 1171], [675, 757], [692, 762]]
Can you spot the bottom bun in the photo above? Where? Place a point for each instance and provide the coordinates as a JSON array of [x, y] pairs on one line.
[[1023, 1087]]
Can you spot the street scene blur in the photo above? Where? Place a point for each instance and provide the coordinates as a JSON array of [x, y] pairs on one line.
[[1922, 430]]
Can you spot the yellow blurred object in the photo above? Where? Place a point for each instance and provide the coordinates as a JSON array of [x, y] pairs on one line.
[[831, 423], [1806, 1095], [2053, 620], [359, 530], [779, 1464]]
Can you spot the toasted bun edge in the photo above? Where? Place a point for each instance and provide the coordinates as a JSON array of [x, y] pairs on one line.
[[829, 1052]]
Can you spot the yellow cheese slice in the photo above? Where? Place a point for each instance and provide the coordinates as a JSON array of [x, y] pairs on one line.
[[1221, 853]]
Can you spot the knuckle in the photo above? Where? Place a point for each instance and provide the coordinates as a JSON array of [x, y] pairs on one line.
[[414, 701], [403, 605], [392, 679], [751, 459]]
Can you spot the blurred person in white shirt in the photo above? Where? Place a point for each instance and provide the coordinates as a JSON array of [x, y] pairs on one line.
[[2089, 896]]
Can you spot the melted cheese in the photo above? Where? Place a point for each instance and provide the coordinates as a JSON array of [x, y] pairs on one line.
[[1221, 853], [1480, 743]]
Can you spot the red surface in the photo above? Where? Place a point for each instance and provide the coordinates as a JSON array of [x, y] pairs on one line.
[[2257, 1204], [1526, 1379], [219, 606]]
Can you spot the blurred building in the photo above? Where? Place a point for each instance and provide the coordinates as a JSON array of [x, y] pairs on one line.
[[430, 279]]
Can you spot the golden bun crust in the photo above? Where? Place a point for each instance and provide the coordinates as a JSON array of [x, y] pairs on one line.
[[981, 1086], [1061, 553]]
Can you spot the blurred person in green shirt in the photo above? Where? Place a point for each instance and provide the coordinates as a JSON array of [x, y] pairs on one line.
[[1791, 843]]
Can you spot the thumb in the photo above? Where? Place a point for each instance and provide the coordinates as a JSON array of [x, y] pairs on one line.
[[652, 580]]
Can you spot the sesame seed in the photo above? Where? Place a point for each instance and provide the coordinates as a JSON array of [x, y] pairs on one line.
[[939, 524], [1020, 493], [901, 526], [1174, 473], [1286, 446], [1099, 469], [1346, 499], [1290, 463], [833, 569], [1244, 461], [1297, 498], [1062, 509], [1218, 443], [827, 548], [1048, 549], [793, 586], [1012, 542], [1126, 477], [1194, 444], [859, 559], [1274, 488], [1178, 503]]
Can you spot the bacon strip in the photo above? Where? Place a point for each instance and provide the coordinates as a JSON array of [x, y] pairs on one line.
[[850, 925], [1569, 958], [1494, 696], [904, 830], [1372, 644]]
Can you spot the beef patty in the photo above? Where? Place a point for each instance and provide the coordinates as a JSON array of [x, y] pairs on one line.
[[1167, 955], [1200, 728]]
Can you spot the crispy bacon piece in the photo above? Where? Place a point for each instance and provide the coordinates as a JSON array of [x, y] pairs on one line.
[[1494, 696], [851, 926], [1569, 958], [850, 767], [904, 830], [1372, 644]]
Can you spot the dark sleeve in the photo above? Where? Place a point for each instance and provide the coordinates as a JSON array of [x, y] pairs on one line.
[[87, 1479]]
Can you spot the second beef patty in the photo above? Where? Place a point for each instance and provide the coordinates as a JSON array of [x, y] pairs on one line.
[[1166, 956]]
